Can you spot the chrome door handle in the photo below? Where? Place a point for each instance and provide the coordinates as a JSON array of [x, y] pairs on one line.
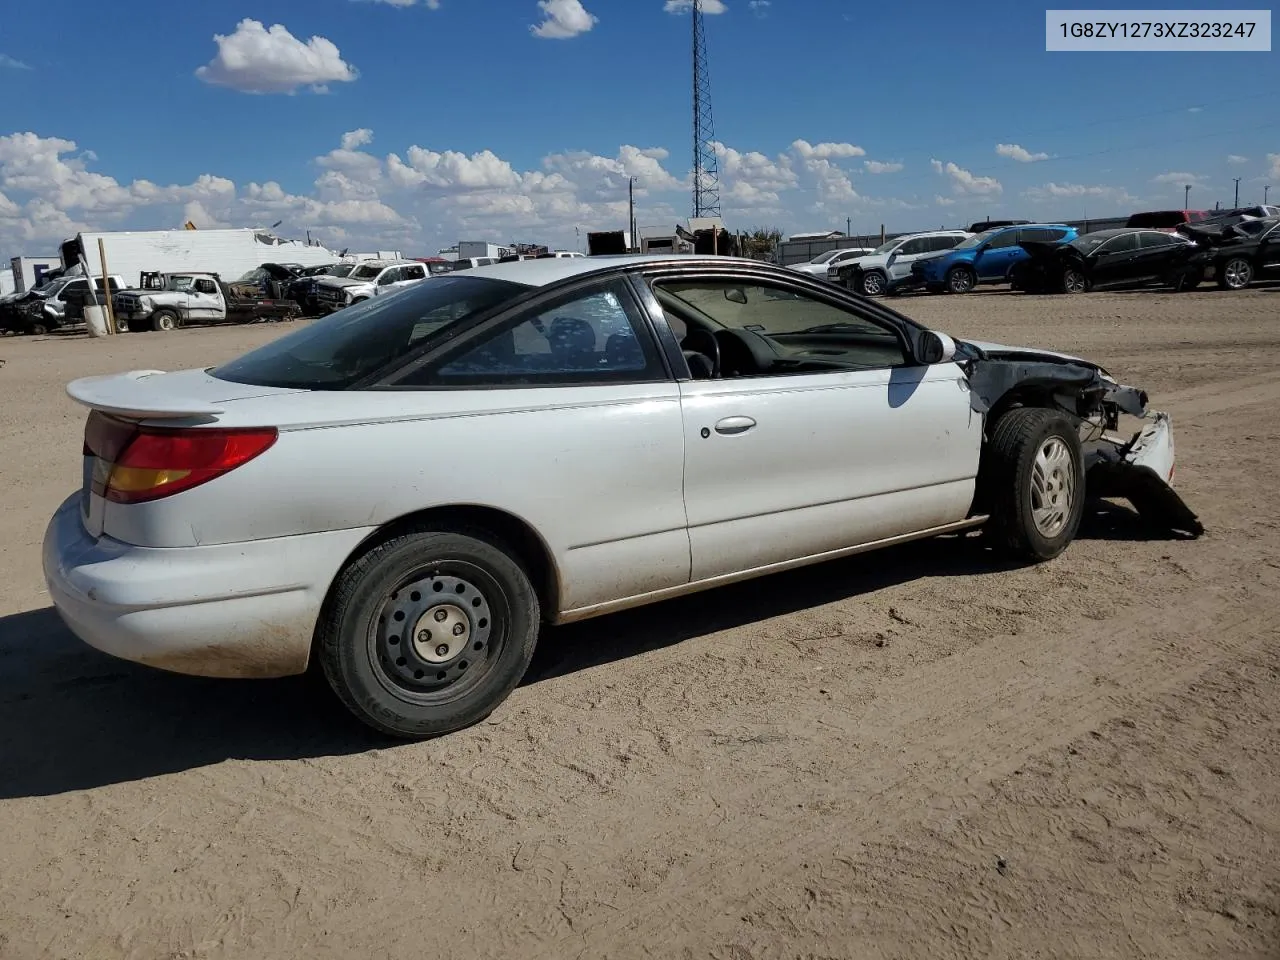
[[734, 425]]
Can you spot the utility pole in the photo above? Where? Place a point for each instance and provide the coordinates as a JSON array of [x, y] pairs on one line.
[[1186, 197], [848, 226], [1237, 203], [631, 215], [1265, 190]]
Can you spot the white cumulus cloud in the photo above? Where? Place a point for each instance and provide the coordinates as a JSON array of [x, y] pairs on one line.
[[877, 166], [258, 59], [1236, 158], [684, 6], [1015, 152], [962, 181], [563, 19]]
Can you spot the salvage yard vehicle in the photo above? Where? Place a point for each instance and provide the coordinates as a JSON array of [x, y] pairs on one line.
[[820, 266], [46, 307], [1241, 253], [171, 300], [1109, 259], [988, 257], [888, 268], [303, 290], [370, 278], [1168, 220], [403, 492]]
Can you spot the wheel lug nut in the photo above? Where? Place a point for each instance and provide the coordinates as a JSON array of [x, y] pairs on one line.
[[458, 629], [440, 615], [442, 650], [424, 636]]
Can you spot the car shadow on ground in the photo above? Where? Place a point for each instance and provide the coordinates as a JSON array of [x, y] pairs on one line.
[[76, 719]]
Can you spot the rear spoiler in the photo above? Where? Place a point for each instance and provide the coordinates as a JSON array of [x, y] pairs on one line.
[[126, 395]]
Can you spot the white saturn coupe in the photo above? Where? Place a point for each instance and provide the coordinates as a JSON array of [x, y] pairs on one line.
[[404, 492]]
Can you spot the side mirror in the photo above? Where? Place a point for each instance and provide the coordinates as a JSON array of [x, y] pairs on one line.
[[735, 295], [936, 347]]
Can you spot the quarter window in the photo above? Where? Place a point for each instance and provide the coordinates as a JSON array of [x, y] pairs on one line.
[[414, 273], [590, 337], [1154, 238]]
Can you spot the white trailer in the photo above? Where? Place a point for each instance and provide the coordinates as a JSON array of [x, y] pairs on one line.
[[229, 253], [28, 272], [480, 249]]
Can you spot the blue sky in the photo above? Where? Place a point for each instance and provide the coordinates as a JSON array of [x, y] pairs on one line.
[[411, 124]]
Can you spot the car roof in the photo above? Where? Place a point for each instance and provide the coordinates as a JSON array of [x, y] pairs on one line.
[[541, 273]]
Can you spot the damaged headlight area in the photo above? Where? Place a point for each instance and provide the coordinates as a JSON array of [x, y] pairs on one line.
[[1138, 468]]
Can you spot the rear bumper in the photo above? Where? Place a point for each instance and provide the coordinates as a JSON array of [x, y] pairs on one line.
[[222, 610]]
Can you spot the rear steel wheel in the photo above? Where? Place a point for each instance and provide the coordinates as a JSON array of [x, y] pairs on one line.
[[428, 631]]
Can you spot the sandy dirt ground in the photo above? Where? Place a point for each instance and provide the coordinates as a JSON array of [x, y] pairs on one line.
[[909, 754]]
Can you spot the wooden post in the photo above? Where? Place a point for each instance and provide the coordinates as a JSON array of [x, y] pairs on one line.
[[106, 287]]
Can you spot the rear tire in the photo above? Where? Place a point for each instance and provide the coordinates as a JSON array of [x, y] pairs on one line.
[[375, 638], [1032, 483], [1236, 274]]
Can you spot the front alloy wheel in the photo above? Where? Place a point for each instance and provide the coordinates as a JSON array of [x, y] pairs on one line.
[[873, 284], [961, 280], [1073, 281]]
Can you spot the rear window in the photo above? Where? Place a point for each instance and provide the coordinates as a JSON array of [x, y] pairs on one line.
[[358, 341]]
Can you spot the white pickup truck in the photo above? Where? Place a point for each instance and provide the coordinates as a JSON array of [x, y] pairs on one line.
[[371, 278], [167, 301]]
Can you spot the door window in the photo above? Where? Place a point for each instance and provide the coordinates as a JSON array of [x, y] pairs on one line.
[[943, 242], [1001, 240], [204, 285], [593, 336], [764, 329], [74, 287], [918, 245], [1154, 238], [414, 273], [1124, 243], [1040, 234], [390, 276]]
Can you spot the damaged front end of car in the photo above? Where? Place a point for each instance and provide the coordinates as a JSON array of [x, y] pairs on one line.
[[1138, 468]]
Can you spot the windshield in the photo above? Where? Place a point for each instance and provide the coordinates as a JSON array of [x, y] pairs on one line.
[[51, 288], [824, 257], [890, 245], [256, 275], [178, 282], [976, 239], [352, 344], [366, 273], [339, 270]]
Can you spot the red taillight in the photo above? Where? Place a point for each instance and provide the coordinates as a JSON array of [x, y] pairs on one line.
[[137, 464]]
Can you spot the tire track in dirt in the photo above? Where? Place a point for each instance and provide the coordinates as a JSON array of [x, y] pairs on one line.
[[1002, 702]]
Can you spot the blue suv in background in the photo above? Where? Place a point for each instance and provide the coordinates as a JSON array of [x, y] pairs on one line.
[[987, 257]]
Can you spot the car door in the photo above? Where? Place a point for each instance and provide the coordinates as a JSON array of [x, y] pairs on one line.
[[409, 275], [900, 261], [388, 280], [1268, 258], [799, 463], [1154, 257], [1113, 261], [995, 258], [204, 301], [570, 420]]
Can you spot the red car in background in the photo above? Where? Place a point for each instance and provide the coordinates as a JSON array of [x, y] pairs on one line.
[[1167, 220]]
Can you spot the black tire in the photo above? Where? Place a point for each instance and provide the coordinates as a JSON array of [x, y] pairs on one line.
[[1008, 483], [873, 283], [410, 696], [164, 320], [122, 326], [1236, 273], [961, 280], [1074, 281]]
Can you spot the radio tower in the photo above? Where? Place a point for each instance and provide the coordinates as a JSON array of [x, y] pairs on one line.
[[706, 169]]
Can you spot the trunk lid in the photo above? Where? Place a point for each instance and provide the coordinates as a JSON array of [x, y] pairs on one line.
[[188, 396]]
